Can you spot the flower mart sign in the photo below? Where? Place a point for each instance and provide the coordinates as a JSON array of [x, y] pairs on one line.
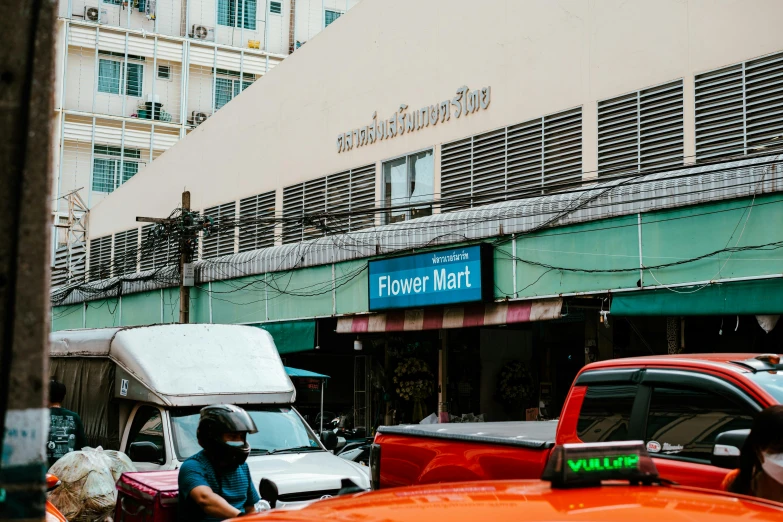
[[465, 102], [459, 275]]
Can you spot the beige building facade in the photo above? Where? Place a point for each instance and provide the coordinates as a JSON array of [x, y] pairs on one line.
[[438, 105]]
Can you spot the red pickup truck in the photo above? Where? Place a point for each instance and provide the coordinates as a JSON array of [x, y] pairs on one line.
[[692, 411]]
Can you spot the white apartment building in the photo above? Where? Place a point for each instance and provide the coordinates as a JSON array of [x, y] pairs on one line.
[[136, 76]]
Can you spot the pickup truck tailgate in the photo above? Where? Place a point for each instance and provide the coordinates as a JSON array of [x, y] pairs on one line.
[[434, 453]]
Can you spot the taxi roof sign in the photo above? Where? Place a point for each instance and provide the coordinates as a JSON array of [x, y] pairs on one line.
[[586, 465]]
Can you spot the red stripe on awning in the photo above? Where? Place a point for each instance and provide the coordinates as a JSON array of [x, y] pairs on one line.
[[433, 319], [467, 316]]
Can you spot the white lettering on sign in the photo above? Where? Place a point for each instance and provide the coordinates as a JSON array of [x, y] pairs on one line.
[[124, 387], [466, 102], [442, 280]]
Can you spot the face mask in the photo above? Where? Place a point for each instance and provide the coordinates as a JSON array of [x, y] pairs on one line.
[[773, 466]]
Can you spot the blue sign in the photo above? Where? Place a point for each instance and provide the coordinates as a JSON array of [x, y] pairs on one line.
[[458, 275]]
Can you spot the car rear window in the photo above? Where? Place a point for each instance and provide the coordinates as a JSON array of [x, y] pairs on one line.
[[772, 382], [606, 413]]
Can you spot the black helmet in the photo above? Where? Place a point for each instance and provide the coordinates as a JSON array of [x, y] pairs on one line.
[[214, 422]]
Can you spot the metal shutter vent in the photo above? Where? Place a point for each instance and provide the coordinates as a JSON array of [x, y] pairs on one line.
[[641, 130], [220, 241], [513, 162], [157, 252], [333, 204], [126, 249], [100, 258], [257, 222], [739, 109], [69, 265]]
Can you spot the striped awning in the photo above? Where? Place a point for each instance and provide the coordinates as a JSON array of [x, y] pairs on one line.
[[466, 316]]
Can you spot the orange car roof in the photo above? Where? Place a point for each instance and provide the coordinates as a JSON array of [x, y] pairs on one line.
[[708, 359], [531, 501]]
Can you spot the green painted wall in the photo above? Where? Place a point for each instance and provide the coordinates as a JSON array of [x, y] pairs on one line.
[[609, 244]]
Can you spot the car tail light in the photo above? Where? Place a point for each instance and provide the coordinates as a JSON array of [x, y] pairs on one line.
[[375, 466]]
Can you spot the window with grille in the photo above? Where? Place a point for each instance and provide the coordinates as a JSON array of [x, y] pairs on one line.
[[257, 222], [233, 13], [126, 247], [641, 130], [514, 162], [228, 85], [100, 258], [331, 16], [220, 241], [739, 109], [111, 168], [159, 248], [114, 78], [334, 204]]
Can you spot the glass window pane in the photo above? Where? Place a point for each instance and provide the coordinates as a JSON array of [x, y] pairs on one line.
[[103, 174], [134, 81], [249, 16], [227, 12], [330, 16], [685, 422], [606, 413], [109, 76], [275, 7], [395, 185], [147, 427], [421, 167], [224, 91], [129, 169]]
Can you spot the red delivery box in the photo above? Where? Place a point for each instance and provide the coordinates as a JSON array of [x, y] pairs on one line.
[[147, 497]]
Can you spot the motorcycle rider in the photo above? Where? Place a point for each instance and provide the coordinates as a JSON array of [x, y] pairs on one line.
[[215, 483]]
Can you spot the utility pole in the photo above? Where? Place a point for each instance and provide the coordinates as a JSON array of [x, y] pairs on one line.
[[188, 230], [185, 259]]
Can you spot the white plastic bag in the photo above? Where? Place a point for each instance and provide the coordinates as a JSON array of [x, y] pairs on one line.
[[432, 418], [88, 491]]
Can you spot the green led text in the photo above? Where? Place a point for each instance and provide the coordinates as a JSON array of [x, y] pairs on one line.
[[619, 462]]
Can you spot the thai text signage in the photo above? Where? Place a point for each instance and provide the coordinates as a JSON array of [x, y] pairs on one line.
[[465, 102], [459, 275]]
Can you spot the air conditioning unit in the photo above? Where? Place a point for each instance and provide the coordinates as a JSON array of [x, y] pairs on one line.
[[202, 32], [95, 14], [197, 117]]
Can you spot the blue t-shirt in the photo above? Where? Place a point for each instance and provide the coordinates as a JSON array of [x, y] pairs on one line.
[[236, 487]]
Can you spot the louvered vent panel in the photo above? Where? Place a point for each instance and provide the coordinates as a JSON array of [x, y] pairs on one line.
[[314, 201], [158, 251], [562, 149], [455, 174], [67, 271], [618, 134], [764, 103], [60, 269], [489, 168], [293, 211], [719, 119], [100, 258], [362, 197], [524, 159], [257, 222], [338, 201], [125, 252], [661, 142], [220, 241]]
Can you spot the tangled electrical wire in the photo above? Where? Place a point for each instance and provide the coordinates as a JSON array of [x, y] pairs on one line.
[[164, 244]]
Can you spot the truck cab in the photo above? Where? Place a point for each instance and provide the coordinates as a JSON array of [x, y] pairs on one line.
[[140, 390]]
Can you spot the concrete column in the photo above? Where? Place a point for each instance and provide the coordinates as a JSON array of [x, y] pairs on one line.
[[27, 97]]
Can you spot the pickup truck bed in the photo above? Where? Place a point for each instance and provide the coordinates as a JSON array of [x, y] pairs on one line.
[[428, 454]]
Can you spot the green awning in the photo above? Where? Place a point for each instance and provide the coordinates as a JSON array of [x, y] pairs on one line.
[[292, 336], [740, 298]]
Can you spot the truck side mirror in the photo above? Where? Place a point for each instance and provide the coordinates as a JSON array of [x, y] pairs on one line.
[[329, 440], [145, 451], [726, 452], [268, 491]]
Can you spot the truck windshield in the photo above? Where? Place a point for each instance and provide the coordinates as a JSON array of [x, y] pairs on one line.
[[772, 382], [279, 429]]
